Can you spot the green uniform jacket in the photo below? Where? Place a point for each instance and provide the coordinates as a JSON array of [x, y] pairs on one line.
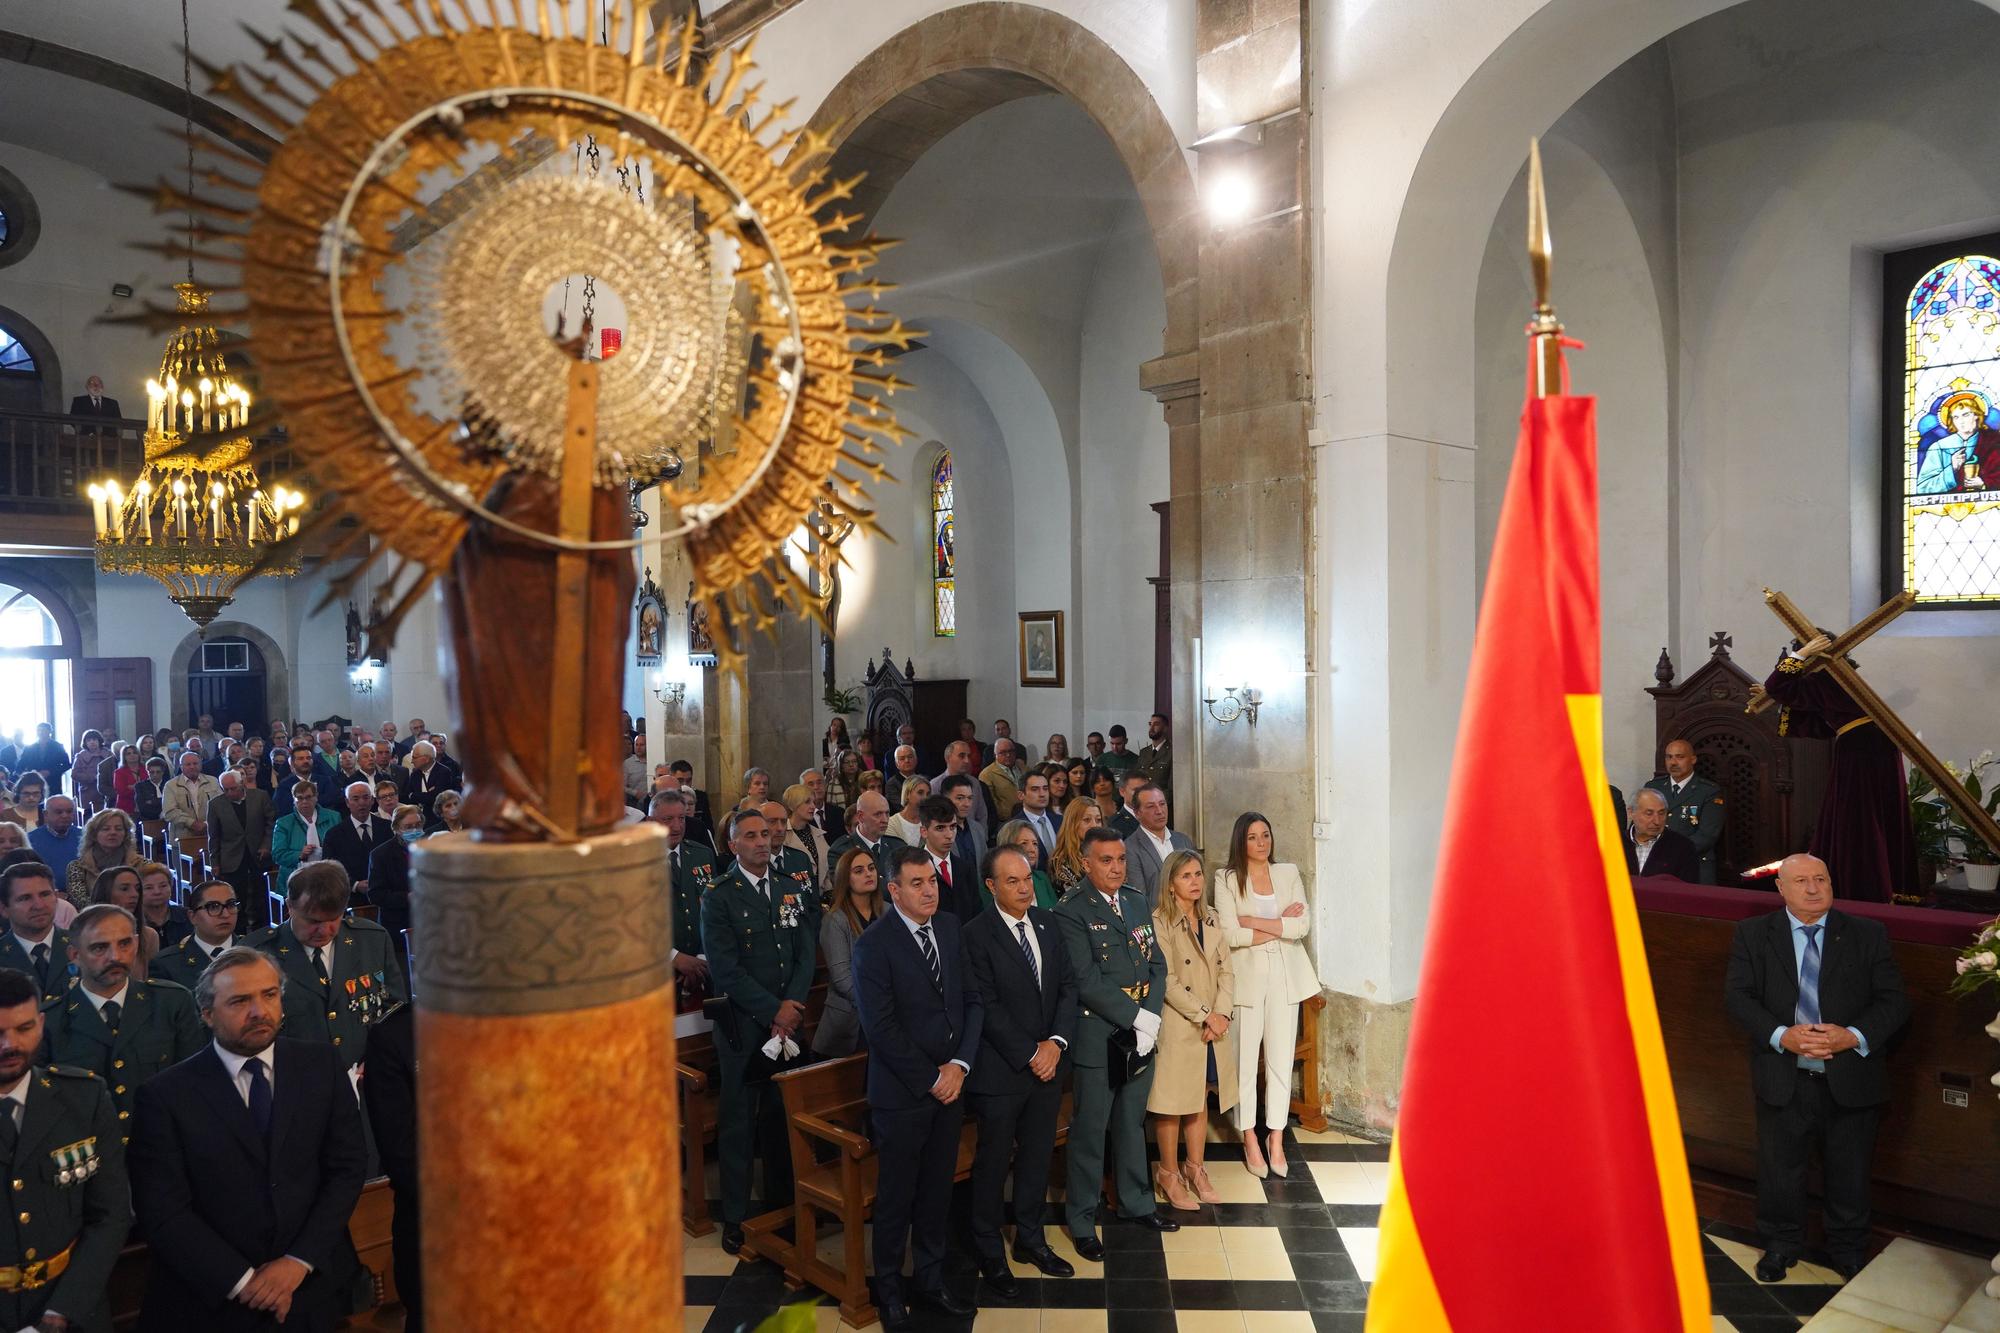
[[885, 847], [66, 1185], [1696, 814], [1109, 954], [1124, 823], [12, 955], [366, 983], [182, 962], [1115, 763], [692, 881], [157, 1028], [793, 864], [759, 954]]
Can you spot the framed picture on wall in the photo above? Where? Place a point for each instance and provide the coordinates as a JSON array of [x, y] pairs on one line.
[[1042, 648], [652, 621]]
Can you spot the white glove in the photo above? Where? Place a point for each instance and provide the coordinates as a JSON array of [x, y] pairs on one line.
[[1146, 1042], [777, 1044], [1147, 1024]]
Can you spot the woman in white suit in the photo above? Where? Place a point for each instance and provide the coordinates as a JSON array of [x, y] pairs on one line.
[[1262, 908]]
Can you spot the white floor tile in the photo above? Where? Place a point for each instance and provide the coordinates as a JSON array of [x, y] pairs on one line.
[[1801, 1274], [1361, 1244], [695, 1317], [1923, 1281], [1979, 1314], [1348, 1183], [1209, 1321]]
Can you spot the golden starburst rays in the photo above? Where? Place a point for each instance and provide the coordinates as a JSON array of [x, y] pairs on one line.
[[394, 256]]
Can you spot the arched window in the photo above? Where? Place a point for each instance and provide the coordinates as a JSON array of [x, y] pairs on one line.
[[943, 558], [35, 666], [1942, 472]]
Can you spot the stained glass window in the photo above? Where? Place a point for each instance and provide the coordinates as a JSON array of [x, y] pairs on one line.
[[943, 558], [1944, 473], [14, 355]]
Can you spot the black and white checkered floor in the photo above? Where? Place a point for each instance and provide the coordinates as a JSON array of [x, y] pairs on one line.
[[1276, 1256]]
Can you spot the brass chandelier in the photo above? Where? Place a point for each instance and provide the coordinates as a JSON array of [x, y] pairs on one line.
[[196, 519]]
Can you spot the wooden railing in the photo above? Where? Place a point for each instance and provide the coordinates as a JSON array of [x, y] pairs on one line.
[[47, 462]]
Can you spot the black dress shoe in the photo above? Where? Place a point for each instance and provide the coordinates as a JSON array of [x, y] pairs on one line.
[[944, 1302], [894, 1314], [1155, 1222], [732, 1238], [1001, 1279], [1847, 1268], [1046, 1259], [1089, 1247], [1773, 1266]]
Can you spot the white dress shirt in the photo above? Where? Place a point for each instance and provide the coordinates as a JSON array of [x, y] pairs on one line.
[[98, 1002], [1163, 845], [1642, 850]]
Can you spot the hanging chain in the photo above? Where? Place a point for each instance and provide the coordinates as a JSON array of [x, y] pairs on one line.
[[187, 127]]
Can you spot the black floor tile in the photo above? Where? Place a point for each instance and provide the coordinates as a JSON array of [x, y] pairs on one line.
[[1204, 1294], [1335, 1296], [1135, 1266], [1724, 1271], [1148, 1294], [1242, 1214], [1268, 1295], [1802, 1298], [1141, 1321], [1370, 1152], [1073, 1293], [1335, 1321], [1741, 1235], [1323, 1152], [1323, 1268], [733, 1318], [1736, 1299], [1311, 1240], [1355, 1214], [1766, 1324], [1123, 1237], [1298, 1189], [705, 1290]]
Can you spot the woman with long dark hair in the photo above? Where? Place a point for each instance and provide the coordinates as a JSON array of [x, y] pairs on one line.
[[856, 899], [1260, 903]]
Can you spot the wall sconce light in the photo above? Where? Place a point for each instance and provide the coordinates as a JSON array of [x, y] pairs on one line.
[[670, 692], [1236, 701]]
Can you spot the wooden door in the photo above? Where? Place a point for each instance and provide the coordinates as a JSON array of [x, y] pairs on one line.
[[115, 695]]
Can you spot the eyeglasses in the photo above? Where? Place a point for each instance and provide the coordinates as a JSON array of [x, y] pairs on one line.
[[222, 907]]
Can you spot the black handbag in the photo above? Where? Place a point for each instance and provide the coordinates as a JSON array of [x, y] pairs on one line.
[[1122, 1060]]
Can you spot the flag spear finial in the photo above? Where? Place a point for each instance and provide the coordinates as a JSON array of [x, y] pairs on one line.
[[1544, 330]]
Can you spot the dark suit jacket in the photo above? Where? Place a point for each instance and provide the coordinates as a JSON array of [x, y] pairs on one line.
[[234, 840], [1859, 987], [961, 898], [1018, 1014], [389, 884], [912, 1024], [346, 846], [79, 406], [214, 1198], [1671, 855], [423, 788]]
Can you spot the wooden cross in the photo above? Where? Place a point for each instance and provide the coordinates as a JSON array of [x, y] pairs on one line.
[[569, 760], [1834, 662]]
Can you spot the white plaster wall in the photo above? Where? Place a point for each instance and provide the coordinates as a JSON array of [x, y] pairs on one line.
[[64, 284]]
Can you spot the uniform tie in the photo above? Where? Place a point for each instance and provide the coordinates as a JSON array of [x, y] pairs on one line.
[[111, 1013], [1021, 933], [930, 955], [260, 1095], [1807, 1009], [10, 1129], [42, 965], [319, 966]]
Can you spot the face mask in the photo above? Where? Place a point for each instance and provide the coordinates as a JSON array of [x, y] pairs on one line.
[[411, 834]]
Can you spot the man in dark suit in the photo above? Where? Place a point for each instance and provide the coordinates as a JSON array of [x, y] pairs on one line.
[[1125, 821], [93, 403], [1651, 848], [1819, 996], [760, 937], [427, 778], [871, 824], [303, 769], [247, 1163], [75, 1214], [1015, 960], [34, 943], [239, 837], [957, 873], [1121, 976], [922, 1024], [1148, 846], [389, 1087], [360, 831]]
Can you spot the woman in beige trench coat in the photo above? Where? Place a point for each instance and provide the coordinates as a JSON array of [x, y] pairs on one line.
[[1195, 1041]]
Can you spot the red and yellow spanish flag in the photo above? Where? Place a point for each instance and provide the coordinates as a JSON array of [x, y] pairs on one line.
[[1537, 1179]]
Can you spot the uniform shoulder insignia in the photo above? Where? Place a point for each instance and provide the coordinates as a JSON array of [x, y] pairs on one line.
[[163, 984], [71, 1072], [50, 1006], [364, 926]]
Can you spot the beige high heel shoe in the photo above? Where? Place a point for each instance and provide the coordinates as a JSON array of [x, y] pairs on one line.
[[1170, 1189], [1197, 1180], [1253, 1155], [1276, 1157]]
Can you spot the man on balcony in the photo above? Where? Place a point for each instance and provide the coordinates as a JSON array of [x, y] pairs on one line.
[[93, 403]]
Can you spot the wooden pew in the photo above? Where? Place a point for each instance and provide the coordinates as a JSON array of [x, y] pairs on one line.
[[699, 1077], [834, 1177], [1305, 1056], [369, 1228], [191, 856]]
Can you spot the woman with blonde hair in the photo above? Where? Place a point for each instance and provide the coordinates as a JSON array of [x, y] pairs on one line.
[[857, 897], [908, 823], [156, 906], [108, 842], [1196, 1043], [1262, 906], [1066, 864]]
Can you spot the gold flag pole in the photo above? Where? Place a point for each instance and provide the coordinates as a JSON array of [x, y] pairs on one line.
[[1544, 329]]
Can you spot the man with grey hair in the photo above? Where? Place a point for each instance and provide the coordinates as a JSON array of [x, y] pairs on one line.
[[1002, 777], [427, 778], [184, 802], [1655, 849], [341, 975], [871, 834], [118, 1025], [240, 824], [903, 768], [245, 1196], [359, 832]]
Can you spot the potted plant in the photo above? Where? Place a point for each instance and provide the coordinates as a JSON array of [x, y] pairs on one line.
[[842, 702], [1933, 822], [1982, 862]]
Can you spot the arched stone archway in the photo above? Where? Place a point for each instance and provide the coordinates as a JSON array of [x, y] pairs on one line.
[[938, 73], [277, 671], [47, 364]]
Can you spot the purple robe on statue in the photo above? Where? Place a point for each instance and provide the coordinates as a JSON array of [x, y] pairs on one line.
[[1863, 833]]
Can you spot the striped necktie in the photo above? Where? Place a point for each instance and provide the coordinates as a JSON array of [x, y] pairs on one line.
[[1807, 1009], [1027, 951], [930, 955]]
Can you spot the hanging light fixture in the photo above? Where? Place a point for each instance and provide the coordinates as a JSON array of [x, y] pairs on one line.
[[197, 519]]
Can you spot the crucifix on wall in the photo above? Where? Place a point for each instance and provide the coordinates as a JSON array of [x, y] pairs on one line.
[[829, 531]]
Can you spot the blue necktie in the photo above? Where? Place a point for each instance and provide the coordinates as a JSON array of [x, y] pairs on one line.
[[1021, 933], [1807, 1009], [260, 1096]]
